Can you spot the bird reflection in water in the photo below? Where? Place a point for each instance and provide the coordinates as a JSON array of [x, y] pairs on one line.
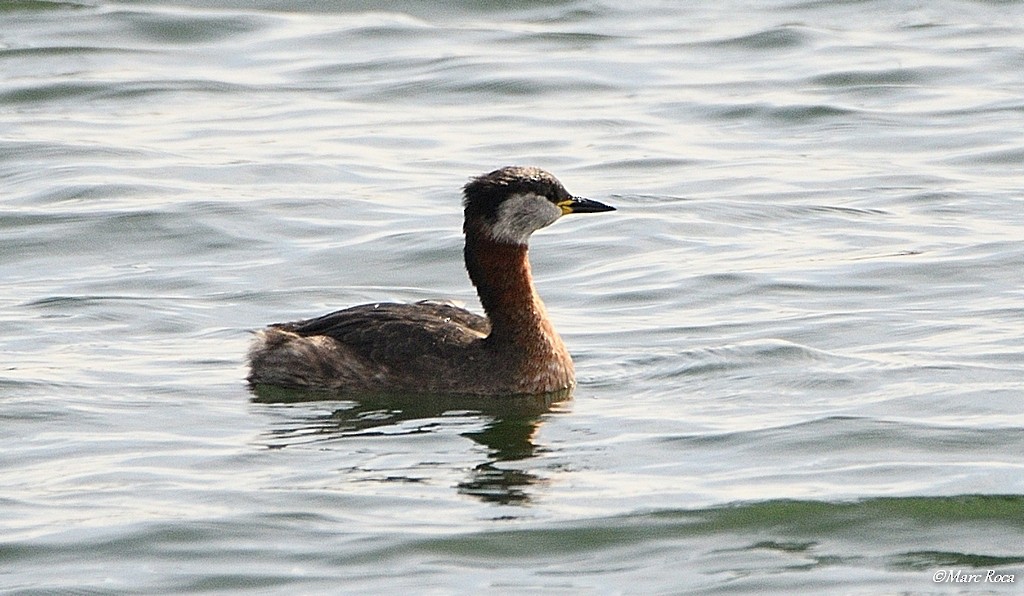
[[508, 434]]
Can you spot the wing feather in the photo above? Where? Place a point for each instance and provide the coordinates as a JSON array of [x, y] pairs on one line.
[[398, 334]]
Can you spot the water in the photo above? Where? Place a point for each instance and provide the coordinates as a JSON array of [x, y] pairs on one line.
[[799, 340]]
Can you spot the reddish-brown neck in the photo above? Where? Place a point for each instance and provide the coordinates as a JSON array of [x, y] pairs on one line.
[[501, 274], [520, 328]]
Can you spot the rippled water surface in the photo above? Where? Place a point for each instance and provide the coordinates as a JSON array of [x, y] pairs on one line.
[[800, 339]]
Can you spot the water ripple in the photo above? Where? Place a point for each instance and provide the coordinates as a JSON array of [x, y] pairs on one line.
[[800, 330]]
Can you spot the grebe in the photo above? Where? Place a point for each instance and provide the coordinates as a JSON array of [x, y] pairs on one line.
[[438, 348]]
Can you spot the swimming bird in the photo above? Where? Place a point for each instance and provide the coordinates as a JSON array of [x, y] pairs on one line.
[[436, 347]]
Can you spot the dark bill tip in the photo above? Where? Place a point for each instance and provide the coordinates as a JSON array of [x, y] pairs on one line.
[[581, 205]]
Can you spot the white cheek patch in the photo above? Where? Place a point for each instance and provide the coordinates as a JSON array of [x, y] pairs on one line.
[[521, 215]]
